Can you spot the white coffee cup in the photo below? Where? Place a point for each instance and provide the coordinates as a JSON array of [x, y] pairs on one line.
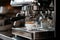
[[29, 26]]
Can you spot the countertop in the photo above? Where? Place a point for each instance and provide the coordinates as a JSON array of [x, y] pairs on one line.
[[32, 34], [30, 31]]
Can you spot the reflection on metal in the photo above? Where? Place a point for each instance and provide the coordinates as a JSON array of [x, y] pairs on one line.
[[20, 2], [3, 10]]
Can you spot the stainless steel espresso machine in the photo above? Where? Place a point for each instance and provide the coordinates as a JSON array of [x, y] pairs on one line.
[[39, 18], [38, 13]]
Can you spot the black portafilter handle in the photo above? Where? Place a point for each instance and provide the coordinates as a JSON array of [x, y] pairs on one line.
[[17, 18]]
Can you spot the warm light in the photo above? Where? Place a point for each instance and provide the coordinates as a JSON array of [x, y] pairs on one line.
[[8, 6]]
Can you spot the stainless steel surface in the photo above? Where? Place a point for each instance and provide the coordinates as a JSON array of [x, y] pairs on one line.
[[20, 3], [5, 37], [31, 31], [32, 35]]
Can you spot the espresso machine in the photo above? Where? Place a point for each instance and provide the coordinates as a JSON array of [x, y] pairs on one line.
[[38, 15], [37, 12]]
